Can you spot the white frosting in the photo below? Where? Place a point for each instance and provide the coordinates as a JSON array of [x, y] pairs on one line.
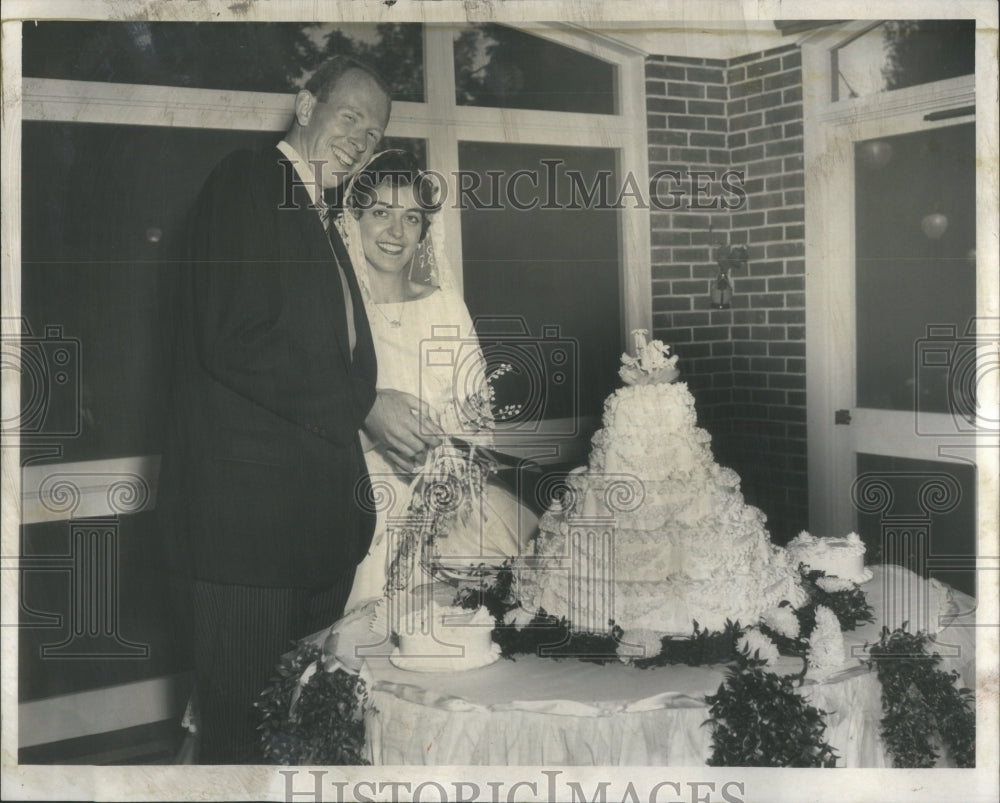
[[838, 557], [445, 638], [655, 534]]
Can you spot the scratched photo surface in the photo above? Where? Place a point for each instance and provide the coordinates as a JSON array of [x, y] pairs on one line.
[[799, 207]]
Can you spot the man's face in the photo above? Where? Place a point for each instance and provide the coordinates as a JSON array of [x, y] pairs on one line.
[[344, 130]]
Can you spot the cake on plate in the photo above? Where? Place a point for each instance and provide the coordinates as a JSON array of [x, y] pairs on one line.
[[653, 535], [836, 557], [445, 638]]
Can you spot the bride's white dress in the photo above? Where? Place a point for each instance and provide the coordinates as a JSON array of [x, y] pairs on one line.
[[427, 347]]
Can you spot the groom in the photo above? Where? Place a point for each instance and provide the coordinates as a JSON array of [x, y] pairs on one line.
[[263, 484]]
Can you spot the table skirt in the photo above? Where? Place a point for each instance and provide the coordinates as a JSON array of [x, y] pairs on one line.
[[565, 712], [410, 725]]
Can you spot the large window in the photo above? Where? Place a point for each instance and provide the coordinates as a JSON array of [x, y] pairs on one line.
[[277, 57], [170, 98], [505, 68]]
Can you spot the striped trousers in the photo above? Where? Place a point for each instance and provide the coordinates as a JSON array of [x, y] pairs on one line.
[[240, 632]]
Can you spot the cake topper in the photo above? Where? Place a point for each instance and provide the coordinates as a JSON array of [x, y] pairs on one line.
[[652, 363]]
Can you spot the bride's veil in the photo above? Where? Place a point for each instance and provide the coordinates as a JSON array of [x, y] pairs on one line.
[[430, 262]]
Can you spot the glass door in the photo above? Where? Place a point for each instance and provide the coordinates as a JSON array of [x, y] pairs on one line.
[[915, 347], [895, 347]]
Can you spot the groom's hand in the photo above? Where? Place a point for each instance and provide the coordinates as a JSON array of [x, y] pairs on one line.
[[403, 427]]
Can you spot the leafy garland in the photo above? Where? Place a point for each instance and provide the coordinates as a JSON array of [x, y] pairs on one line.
[[552, 637], [702, 648], [849, 605], [318, 722], [757, 717], [498, 596], [759, 720], [544, 635], [920, 701]]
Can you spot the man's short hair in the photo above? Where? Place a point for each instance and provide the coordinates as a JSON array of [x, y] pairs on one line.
[[322, 82]]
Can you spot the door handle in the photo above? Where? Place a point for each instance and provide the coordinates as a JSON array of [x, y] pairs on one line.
[[842, 417]]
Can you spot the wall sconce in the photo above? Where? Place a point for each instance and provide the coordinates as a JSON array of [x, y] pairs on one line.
[[728, 258]]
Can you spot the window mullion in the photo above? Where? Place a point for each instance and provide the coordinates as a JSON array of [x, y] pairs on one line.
[[442, 140], [439, 69]]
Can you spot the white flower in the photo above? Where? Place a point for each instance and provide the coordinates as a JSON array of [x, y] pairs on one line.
[[518, 617], [782, 620], [826, 644], [759, 647], [832, 584], [308, 672], [649, 641]]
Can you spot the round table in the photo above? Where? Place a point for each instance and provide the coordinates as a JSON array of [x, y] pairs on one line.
[[535, 710]]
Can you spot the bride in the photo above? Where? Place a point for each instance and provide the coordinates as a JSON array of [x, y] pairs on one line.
[[426, 345]]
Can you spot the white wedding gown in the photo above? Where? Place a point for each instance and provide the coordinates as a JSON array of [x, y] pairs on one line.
[[427, 347]]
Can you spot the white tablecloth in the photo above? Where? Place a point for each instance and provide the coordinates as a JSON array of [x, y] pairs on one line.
[[567, 712]]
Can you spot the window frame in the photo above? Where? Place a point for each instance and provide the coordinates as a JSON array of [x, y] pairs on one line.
[[438, 120], [831, 129]]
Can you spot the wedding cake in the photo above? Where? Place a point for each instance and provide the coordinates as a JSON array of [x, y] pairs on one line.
[[843, 558], [653, 535], [445, 638]]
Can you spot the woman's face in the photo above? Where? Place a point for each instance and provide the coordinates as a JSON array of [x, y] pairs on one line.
[[390, 228]]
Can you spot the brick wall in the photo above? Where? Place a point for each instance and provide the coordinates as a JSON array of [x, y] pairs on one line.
[[745, 365]]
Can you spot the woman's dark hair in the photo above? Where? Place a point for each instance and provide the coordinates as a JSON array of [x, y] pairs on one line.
[[399, 169]]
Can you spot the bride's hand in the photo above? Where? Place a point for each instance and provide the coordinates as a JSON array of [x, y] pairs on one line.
[[403, 427]]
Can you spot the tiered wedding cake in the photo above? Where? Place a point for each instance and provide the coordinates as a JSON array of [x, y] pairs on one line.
[[654, 535]]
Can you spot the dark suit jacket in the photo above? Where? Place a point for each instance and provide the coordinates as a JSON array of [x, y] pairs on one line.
[[263, 469]]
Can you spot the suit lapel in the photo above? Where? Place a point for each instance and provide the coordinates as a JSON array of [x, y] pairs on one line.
[[327, 250], [313, 233], [362, 330]]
